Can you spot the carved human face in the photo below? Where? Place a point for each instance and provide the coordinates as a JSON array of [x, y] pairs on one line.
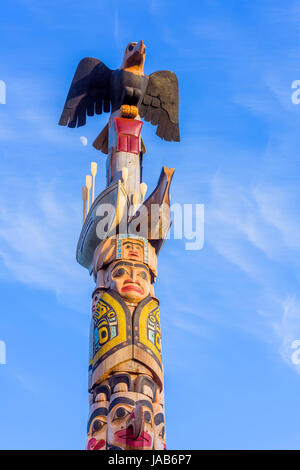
[[159, 427], [133, 249], [131, 280], [97, 424], [130, 421], [97, 429]]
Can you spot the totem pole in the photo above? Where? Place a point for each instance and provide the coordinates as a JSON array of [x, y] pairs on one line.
[[121, 237]]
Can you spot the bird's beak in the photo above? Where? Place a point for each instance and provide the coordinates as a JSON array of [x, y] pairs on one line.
[[136, 420], [136, 57], [140, 47]]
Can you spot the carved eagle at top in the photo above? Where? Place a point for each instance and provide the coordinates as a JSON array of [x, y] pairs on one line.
[[96, 88]]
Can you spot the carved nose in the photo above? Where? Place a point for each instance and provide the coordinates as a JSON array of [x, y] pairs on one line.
[[136, 420]]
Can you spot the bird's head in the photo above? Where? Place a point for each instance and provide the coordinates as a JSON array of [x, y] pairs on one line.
[[134, 57]]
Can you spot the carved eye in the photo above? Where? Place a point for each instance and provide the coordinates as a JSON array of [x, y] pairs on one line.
[[143, 275], [97, 425], [119, 272], [120, 413], [130, 47], [147, 417]]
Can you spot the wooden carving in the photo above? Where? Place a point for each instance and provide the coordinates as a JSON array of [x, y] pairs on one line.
[[122, 234], [96, 88]]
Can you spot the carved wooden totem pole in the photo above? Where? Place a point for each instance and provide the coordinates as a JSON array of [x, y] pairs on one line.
[[121, 237]]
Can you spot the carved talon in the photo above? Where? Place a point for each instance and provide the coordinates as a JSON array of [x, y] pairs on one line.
[[134, 111], [125, 110], [128, 111]]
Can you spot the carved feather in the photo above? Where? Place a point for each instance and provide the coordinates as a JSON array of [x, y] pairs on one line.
[[88, 94]]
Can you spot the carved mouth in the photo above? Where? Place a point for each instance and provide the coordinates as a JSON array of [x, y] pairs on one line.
[[126, 436], [93, 444], [132, 287]]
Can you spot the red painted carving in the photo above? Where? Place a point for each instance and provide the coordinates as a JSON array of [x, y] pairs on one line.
[[128, 131]]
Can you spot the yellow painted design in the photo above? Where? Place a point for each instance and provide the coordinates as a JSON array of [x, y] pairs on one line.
[[103, 339], [149, 313], [101, 309], [121, 319]]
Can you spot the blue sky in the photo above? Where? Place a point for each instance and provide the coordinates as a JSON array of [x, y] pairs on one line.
[[229, 311]]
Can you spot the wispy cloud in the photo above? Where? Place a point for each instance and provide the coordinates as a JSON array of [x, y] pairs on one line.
[[29, 116], [263, 216], [256, 228], [38, 239]]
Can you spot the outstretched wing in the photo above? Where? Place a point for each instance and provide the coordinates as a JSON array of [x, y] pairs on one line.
[[88, 94], [160, 104]]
